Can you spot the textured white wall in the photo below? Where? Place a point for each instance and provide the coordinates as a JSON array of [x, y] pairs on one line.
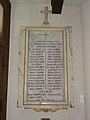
[[29, 15], [85, 8]]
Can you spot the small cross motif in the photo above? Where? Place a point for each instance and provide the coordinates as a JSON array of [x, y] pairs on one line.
[[46, 34], [45, 12]]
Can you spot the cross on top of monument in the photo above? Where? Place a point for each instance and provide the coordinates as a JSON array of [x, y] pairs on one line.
[[46, 12]]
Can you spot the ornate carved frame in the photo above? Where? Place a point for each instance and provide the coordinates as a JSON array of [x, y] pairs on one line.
[[45, 106]]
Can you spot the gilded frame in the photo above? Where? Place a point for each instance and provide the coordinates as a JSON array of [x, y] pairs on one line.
[[45, 106]]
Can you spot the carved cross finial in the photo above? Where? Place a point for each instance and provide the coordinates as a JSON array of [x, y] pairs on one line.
[[45, 12]]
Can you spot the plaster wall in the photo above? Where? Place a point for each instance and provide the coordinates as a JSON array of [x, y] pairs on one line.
[[29, 15]]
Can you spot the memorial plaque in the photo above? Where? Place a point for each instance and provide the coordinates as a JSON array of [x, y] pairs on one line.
[[46, 68]]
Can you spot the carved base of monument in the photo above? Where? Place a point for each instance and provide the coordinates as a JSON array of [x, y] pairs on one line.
[[46, 23]]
